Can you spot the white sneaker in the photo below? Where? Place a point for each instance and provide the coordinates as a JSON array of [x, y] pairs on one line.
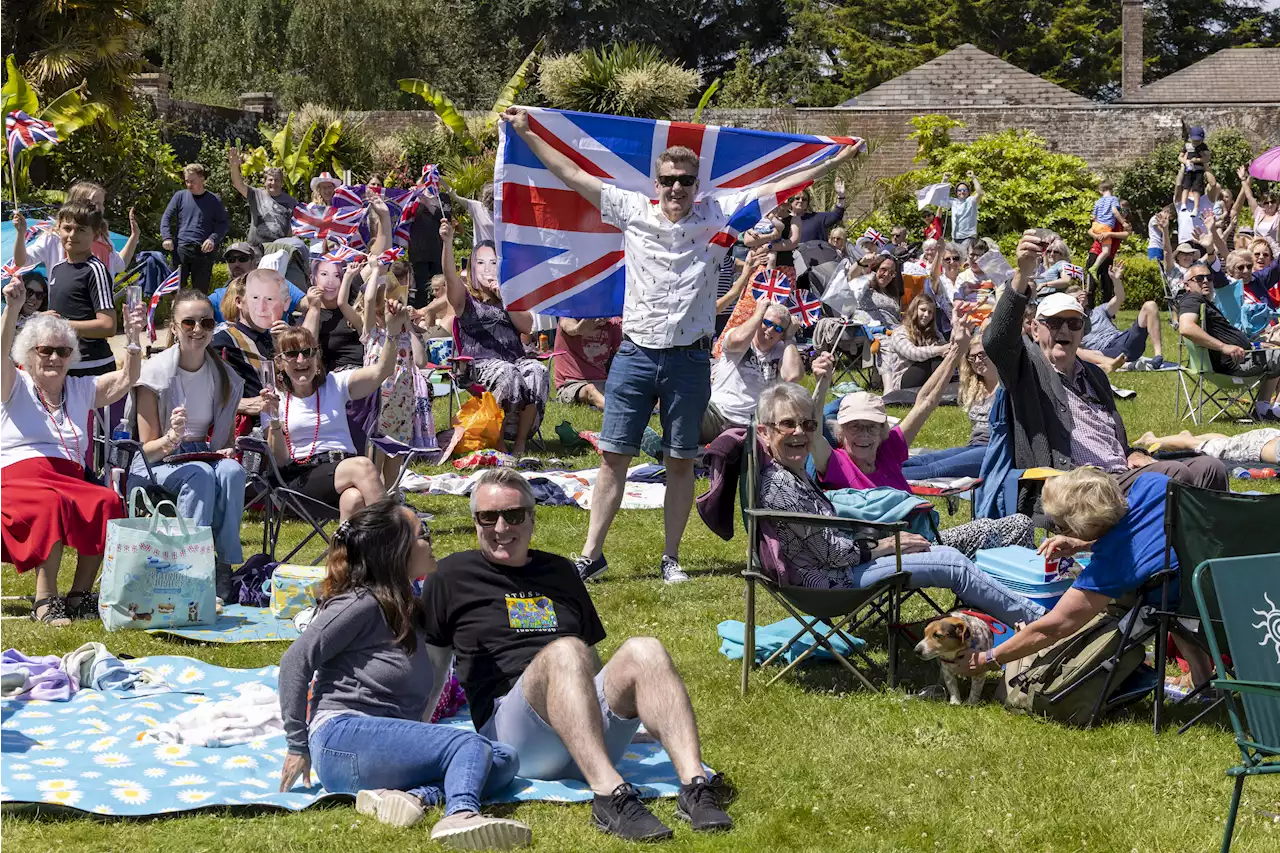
[[672, 572], [471, 831], [396, 808]]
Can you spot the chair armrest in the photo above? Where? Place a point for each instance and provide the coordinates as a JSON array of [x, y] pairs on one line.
[[457, 358], [851, 525], [252, 445], [1265, 688]]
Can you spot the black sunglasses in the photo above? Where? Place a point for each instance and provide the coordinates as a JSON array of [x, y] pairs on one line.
[[60, 352], [955, 258], [682, 180], [515, 515], [237, 258], [790, 424], [292, 354], [1202, 277], [1075, 324], [206, 323]]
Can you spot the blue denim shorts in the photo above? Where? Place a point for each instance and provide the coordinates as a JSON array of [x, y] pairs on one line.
[[640, 377]]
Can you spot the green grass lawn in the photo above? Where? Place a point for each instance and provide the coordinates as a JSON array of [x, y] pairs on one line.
[[817, 763]]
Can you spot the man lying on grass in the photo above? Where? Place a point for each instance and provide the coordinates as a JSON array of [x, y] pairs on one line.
[[524, 630]]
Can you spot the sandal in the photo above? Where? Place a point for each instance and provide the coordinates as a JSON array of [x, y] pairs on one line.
[[55, 612], [85, 606]]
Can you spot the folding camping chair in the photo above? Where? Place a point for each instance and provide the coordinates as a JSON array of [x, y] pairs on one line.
[[279, 500], [460, 377], [855, 353], [824, 614], [1199, 385], [1231, 594]]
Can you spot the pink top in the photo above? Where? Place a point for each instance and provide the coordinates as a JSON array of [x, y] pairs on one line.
[[842, 473], [587, 356]]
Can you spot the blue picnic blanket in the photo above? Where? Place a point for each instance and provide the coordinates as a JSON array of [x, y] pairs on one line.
[[770, 638], [238, 624], [86, 753]]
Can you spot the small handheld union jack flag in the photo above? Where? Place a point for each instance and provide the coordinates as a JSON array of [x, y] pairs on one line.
[[342, 224], [1073, 271], [35, 228], [23, 132], [169, 285], [806, 308], [771, 285], [344, 254], [875, 236], [390, 256], [431, 180], [11, 270]]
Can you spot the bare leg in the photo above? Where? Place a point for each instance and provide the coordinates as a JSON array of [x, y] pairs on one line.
[[641, 681], [1182, 441], [559, 685], [1095, 357], [47, 573], [388, 466], [523, 427], [1271, 452], [678, 502], [358, 483], [1149, 317], [592, 396], [606, 497], [86, 572], [1199, 663]]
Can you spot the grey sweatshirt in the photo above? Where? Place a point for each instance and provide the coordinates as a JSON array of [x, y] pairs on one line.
[[357, 664]]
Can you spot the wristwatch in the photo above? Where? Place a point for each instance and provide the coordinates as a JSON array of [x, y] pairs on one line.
[[989, 657]]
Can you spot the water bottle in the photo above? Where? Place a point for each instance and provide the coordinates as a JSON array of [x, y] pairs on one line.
[[253, 461], [120, 433]]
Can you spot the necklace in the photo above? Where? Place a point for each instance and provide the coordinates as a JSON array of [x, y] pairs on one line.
[[48, 413], [315, 436]]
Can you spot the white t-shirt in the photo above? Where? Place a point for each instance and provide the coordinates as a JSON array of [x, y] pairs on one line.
[[47, 249], [27, 430], [1155, 239], [199, 390], [300, 422], [671, 267], [738, 379]]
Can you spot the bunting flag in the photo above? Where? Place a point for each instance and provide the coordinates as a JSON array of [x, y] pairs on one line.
[[1073, 271], [23, 132], [557, 256], [875, 237], [335, 223], [169, 285], [771, 285], [806, 308]]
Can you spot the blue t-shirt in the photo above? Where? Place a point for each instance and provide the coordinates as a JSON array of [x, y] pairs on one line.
[[1104, 210], [1133, 550], [964, 218]]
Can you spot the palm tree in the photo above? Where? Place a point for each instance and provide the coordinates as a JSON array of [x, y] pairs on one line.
[[626, 79]]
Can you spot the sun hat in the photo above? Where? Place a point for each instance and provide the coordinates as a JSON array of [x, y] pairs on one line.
[[1058, 303], [861, 406], [324, 178], [1189, 248]]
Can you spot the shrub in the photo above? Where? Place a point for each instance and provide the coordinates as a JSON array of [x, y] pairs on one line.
[[1143, 280], [625, 79]]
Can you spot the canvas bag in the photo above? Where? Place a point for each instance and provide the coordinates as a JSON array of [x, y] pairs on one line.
[[157, 572], [1029, 683]]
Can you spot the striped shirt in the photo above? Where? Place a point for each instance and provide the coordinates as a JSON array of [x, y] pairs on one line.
[[78, 291], [1104, 210], [1095, 438], [728, 275]]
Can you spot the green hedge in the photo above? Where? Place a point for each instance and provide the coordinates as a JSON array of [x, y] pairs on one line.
[[1142, 281]]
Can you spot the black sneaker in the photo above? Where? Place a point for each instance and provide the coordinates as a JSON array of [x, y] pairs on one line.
[[589, 569], [622, 814], [699, 803]]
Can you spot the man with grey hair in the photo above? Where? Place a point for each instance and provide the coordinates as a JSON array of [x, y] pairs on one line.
[[754, 355], [246, 344], [270, 207], [525, 631], [672, 267]]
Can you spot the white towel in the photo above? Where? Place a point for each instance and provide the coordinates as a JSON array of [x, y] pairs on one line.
[[252, 715]]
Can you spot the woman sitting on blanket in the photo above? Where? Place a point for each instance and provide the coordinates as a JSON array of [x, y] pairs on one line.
[[870, 453], [827, 558], [1247, 448], [490, 336], [1127, 539], [361, 720], [978, 384], [307, 424], [185, 402], [46, 503], [915, 349]]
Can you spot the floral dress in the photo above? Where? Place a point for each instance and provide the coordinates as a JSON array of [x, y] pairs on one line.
[[397, 409]]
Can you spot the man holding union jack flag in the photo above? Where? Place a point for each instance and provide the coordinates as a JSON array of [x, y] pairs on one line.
[[671, 254]]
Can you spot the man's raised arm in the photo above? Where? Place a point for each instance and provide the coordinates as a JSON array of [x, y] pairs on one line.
[[814, 172], [588, 186]]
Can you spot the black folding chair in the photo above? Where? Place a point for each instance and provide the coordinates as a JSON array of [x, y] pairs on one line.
[[280, 501]]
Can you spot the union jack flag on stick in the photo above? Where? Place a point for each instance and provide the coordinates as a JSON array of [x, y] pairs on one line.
[[806, 308], [342, 224], [771, 285], [169, 285], [25, 132], [1073, 271], [875, 236]]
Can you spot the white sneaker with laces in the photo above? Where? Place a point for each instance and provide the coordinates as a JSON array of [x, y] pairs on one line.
[[471, 831], [672, 572], [395, 808]]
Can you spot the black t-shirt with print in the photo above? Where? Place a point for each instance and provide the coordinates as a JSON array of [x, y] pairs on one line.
[[1216, 324], [498, 618]]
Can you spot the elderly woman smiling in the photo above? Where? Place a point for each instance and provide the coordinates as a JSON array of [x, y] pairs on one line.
[[825, 558], [44, 420]]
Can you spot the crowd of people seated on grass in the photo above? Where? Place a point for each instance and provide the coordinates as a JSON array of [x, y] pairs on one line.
[[1026, 346]]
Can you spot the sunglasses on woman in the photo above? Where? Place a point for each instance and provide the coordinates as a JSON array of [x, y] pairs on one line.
[[790, 424], [682, 180], [951, 259], [489, 517], [60, 352], [424, 531], [295, 354], [777, 327], [206, 323], [1053, 324]]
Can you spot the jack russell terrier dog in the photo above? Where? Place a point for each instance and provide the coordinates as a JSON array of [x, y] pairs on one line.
[[951, 639]]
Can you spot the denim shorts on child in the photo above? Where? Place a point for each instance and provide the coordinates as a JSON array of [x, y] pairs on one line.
[[542, 754], [640, 377]]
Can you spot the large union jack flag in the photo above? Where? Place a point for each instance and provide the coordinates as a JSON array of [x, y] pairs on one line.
[[556, 256], [23, 132]]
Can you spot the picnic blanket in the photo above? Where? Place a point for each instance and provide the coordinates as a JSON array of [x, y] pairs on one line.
[[238, 624], [570, 487], [770, 638], [86, 754]]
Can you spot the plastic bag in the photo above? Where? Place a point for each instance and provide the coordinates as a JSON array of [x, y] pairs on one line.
[[480, 419]]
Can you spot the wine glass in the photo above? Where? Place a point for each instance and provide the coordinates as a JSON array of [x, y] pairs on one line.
[[268, 371], [132, 299], [178, 395]]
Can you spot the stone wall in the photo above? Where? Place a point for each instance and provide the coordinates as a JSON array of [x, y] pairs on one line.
[[202, 121]]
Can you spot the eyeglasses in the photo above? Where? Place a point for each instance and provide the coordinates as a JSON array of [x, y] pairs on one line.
[[1053, 251], [1200, 278], [35, 292], [955, 259], [206, 323], [790, 425], [777, 327], [295, 354], [1053, 324], [489, 517], [682, 180], [237, 258], [60, 352], [975, 357], [862, 426]]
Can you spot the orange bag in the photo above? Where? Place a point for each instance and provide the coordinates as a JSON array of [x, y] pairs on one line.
[[480, 419]]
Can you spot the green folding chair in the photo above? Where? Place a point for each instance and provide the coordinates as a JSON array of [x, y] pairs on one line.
[[1239, 598], [1200, 386]]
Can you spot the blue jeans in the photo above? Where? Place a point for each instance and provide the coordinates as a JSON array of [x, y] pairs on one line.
[[439, 764], [947, 568], [952, 462], [640, 377], [210, 494]]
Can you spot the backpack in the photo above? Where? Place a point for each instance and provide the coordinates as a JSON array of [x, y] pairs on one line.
[[1030, 683]]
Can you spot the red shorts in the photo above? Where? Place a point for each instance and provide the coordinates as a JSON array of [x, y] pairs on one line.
[[46, 501]]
